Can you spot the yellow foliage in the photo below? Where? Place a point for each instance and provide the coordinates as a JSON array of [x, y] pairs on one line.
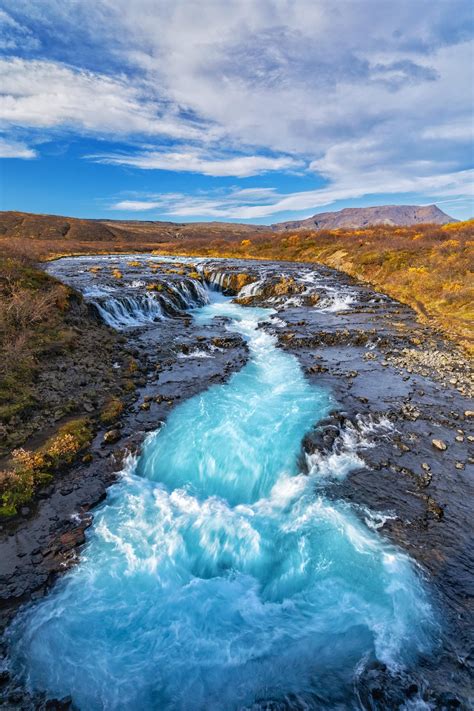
[[112, 410], [294, 239]]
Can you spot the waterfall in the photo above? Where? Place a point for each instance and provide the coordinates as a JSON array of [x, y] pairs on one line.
[[251, 289], [140, 307]]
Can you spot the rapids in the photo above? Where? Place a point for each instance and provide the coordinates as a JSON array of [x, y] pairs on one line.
[[217, 575]]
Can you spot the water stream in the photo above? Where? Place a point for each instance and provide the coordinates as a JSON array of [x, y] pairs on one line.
[[216, 576]]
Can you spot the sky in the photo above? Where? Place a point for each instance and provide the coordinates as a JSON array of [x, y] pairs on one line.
[[238, 110]]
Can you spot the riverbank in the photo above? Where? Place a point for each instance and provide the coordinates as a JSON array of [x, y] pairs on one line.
[[408, 426], [428, 267]]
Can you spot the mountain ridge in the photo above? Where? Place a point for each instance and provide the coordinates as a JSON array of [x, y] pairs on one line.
[[358, 217]]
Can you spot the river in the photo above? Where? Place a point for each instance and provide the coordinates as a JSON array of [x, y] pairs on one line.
[[217, 574]]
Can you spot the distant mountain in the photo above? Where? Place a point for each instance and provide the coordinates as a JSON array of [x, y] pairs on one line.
[[356, 217], [73, 229]]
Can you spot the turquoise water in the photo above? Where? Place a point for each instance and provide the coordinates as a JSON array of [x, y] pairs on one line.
[[215, 576]]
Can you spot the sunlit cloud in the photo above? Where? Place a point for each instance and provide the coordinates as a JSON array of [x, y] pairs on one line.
[[44, 94], [235, 205], [194, 162]]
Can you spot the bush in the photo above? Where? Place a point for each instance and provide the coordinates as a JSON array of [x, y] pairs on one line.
[[112, 411], [30, 469]]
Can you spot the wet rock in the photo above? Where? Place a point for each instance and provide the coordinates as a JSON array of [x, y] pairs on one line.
[[317, 369], [410, 412], [434, 508], [312, 299], [439, 444], [111, 436]]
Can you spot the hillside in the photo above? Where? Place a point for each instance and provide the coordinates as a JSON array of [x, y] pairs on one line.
[[72, 229], [357, 217]]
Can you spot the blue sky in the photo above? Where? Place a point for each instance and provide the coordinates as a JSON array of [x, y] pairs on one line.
[[248, 110]]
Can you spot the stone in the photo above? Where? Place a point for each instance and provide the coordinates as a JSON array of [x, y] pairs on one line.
[[410, 412], [439, 444], [459, 465], [111, 436], [469, 413]]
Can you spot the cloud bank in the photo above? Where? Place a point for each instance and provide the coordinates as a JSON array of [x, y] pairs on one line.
[[369, 97]]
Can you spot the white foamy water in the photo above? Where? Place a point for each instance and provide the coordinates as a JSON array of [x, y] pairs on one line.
[[216, 576]]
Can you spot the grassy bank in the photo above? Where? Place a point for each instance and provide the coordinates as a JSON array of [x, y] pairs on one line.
[[32, 325], [56, 376]]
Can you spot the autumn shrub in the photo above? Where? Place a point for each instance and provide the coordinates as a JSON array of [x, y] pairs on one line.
[[112, 410], [30, 469], [17, 485]]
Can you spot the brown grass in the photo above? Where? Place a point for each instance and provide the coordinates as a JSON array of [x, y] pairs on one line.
[[31, 309]]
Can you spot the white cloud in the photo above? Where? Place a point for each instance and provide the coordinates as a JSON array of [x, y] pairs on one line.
[[234, 205], [44, 94], [135, 205], [13, 35], [460, 130], [376, 96], [15, 149], [195, 162]]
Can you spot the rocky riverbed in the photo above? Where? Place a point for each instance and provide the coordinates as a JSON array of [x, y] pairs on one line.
[[402, 420]]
